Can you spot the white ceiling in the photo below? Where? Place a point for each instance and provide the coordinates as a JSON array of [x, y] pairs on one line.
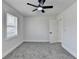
[[22, 7]]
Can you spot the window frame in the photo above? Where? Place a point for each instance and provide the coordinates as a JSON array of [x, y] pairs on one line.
[[14, 36]]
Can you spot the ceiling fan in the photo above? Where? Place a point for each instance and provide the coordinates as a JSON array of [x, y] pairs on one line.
[[40, 6]]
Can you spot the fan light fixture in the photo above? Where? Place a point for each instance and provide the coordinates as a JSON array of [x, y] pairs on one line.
[[40, 8]]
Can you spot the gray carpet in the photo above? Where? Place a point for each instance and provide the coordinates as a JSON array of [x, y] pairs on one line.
[[39, 51]]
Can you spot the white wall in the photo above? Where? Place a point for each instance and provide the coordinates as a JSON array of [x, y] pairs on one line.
[[36, 29], [68, 25], [9, 45]]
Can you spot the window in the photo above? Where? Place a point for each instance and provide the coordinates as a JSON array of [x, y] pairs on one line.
[[11, 26]]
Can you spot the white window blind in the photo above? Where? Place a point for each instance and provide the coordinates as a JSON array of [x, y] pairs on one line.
[[11, 25]]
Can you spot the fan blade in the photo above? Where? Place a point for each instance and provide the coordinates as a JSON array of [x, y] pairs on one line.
[[32, 5], [34, 10], [46, 7], [43, 11]]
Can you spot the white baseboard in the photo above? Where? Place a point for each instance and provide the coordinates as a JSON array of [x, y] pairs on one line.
[[36, 40], [10, 50], [70, 51], [41, 41], [54, 41]]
